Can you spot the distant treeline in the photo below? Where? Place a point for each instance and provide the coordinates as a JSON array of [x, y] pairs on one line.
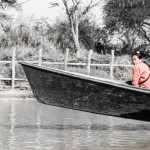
[[35, 33]]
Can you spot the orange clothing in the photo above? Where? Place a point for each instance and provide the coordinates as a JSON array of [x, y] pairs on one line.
[[140, 73]]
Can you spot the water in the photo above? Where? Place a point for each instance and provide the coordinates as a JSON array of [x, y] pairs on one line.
[[29, 125]]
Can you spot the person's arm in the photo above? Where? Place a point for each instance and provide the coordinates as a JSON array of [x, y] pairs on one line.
[[136, 76]]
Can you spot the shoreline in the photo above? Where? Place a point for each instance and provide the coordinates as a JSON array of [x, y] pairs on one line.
[[22, 94]]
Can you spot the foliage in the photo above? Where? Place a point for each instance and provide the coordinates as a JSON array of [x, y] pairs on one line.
[[5, 19], [7, 4], [130, 19], [63, 38], [130, 14], [29, 32], [89, 35], [4, 4]]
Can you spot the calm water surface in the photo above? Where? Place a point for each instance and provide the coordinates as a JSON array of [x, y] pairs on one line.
[[29, 125]]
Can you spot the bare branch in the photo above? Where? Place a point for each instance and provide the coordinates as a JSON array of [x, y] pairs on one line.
[[143, 32], [146, 23], [53, 4], [24, 2], [89, 7], [67, 11], [75, 1]]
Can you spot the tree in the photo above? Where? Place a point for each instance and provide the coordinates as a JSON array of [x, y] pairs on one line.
[[89, 35], [92, 36], [128, 15], [4, 4], [75, 11]]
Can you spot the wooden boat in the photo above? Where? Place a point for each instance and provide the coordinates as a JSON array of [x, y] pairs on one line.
[[86, 93]]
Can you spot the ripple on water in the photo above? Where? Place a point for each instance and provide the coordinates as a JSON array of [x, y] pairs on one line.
[[29, 125]]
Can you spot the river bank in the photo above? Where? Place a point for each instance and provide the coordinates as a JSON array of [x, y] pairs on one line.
[[16, 94]]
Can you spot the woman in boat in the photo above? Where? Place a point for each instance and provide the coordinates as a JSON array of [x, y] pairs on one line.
[[141, 71]]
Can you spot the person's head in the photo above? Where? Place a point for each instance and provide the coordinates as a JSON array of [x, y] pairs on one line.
[[136, 57]]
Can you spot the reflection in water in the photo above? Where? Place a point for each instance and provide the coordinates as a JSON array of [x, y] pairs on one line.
[[29, 125], [12, 128], [38, 134]]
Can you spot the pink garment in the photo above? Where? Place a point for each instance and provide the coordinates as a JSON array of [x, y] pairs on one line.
[[140, 73]]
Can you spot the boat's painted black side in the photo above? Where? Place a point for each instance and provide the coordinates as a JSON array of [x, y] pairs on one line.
[[69, 90]]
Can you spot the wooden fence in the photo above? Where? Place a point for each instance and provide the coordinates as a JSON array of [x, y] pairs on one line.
[[65, 63]]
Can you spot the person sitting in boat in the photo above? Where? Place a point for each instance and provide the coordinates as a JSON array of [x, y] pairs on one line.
[[141, 71]]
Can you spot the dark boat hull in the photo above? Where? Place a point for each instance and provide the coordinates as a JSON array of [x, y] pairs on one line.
[[74, 91]]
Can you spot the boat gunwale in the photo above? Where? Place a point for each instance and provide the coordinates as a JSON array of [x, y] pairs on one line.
[[88, 77]]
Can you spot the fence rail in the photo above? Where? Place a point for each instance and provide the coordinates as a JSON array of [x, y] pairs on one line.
[[65, 63]]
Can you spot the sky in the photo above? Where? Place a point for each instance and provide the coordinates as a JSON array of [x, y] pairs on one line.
[[41, 8], [38, 8]]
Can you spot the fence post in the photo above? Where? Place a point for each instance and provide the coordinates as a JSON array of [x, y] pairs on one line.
[[111, 64], [66, 57], [13, 68], [89, 61], [40, 57]]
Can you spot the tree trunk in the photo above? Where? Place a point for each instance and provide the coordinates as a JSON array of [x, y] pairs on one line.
[[76, 42], [75, 33]]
